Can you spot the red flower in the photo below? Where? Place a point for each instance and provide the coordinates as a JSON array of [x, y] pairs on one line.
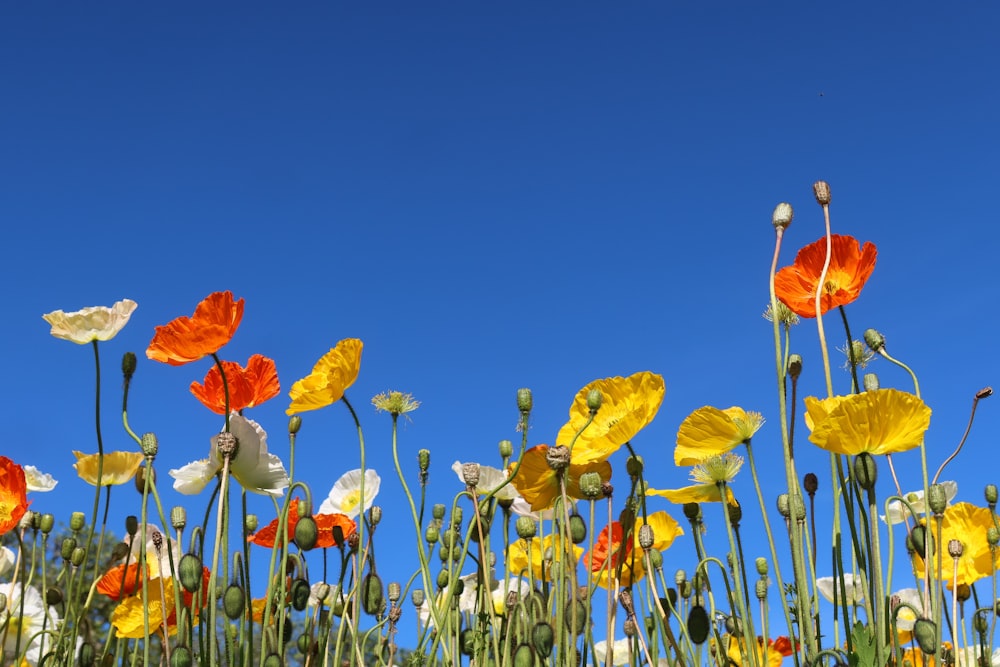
[[119, 582], [188, 339], [248, 387], [13, 494], [325, 525], [850, 267], [605, 548]]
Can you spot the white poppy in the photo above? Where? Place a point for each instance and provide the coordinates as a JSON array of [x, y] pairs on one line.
[[897, 512], [21, 628], [852, 587], [155, 561], [345, 496], [36, 480], [7, 560], [620, 651], [90, 324], [489, 479], [252, 466], [968, 657]]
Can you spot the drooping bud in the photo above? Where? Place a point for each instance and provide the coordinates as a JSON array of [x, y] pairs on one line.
[[874, 340], [594, 400], [865, 471], [178, 517], [141, 473], [937, 498], [924, 631], [299, 594], [821, 190], [189, 571], [371, 594], [149, 444], [53, 596], [524, 400], [234, 602], [577, 529], [698, 624], [782, 216], [542, 638], [306, 533]]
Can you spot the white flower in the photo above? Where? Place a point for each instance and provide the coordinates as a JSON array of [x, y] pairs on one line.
[[7, 560], [905, 617], [252, 466], [23, 628], [489, 479], [521, 507], [968, 657], [332, 593], [90, 324], [345, 496], [897, 512], [36, 480], [620, 651], [155, 561], [852, 587]]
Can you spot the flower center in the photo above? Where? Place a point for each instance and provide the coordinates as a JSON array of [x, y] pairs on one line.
[[350, 502]]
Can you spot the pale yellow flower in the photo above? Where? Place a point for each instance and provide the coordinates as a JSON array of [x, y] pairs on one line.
[[119, 467], [90, 324]]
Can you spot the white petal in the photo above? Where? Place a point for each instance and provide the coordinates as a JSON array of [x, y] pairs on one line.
[[7, 560], [344, 497], [267, 478], [192, 478], [36, 480]]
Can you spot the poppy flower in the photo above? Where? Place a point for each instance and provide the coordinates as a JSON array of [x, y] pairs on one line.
[[490, 478], [968, 524], [188, 339], [665, 531], [119, 467], [775, 653], [330, 377], [850, 267], [517, 556], [90, 324], [710, 431], [345, 496], [29, 622], [539, 484], [255, 468], [621, 652], [884, 421], [120, 581], [325, 525], [628, 405], [709, 476], [897, 512], [852, 590], [13, 494], [248, 387], [37, 480]]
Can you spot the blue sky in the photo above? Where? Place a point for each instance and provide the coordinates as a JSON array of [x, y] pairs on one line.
[[491, 196]]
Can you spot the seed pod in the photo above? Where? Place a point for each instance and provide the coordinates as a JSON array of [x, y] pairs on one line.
[[698, 624], [371, 594], [234, 602], [306, 533], [189, 571], [924, 631], [542, 638]]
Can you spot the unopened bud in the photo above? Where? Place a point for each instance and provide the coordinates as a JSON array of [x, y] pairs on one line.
[[524, 400], [375, 515], [634, 465], [821, 189], [577, 529], [692, 511], [870, 382], [76, 558], [794, 365], [178, 517], [810, 483], [131, 525], [128, 365], [525, 527], [874, 340], [865, 471], [149, 444], [594, 400], [924, 632], [991, 494], [437, 511], [53, 596], [66, 548], [77, 520], [432, 534], [424, 459], [735, 511], [761, 565], [141, 473], [782, 216], [784, 508], [306, 533], [992, 536], [506, 448], [656, 559], [46, 522]]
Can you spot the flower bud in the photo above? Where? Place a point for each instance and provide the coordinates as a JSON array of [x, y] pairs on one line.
[[918, 539], [525, 527], [149, 444], [980, 624], [140, 478], [580, 616], [189, 571], [119, 551], [432, 533], [542, 638], [794, 365], [821, 190], [594, 400], [131, 525], [299, 594], [810, 483], [524, 400], [234, 602], [178, 517], [963, 593], [46, 522], [634, 465], [992, 536], [656, 559], [437, 511], [524, 656], [371, 594], [306, 533], [646, 537], [443, 578], [53, 596], [782, 216], [590, 485], [680, 576], [692, 511], [924, 632], [456, 517], [294, 424], [937, 499], [251, 523], [870, 382], [735, 511], [128, 365], [375, 515], [76, 558], [991, 494], [865, 471], [85, 656], [698, 624], [761, 564], [577, 529], [506, 448], [424, 459], [874, 340], [77, 520], [3, 600]]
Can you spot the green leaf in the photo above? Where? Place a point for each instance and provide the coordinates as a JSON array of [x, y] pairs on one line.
[[863, 641]]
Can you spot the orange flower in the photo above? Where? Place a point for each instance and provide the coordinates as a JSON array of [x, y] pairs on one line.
[[539, 485], [610, 544], [13, 494], [119, 582], [188, 339], [248, 387], [325, 524], [850, 267]]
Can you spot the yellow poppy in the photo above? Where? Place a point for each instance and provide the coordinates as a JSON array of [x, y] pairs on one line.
[[968, 524], [709, 431], [696, 493], [119, 467], [627, 405], [517, 556], [884, 421], [127, 618], [330, 377], [777, 650], [708, 474], [539, 484]]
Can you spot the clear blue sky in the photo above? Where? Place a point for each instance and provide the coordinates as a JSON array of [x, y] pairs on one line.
[[491, 196]]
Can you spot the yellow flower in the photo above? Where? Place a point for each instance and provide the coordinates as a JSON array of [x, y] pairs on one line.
[[517, 556], [697, 493], [967, 524], [709, 474], [665, 531], [628, 404], [90, 324], [708, 431], [884, 421], [330, 377], [777, 650], [119, 467], [127, 618], [539, 483]]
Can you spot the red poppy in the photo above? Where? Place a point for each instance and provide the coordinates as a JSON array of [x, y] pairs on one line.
[[13, 494], [188, 339], [248, 387], [850, 266], [325, 525]]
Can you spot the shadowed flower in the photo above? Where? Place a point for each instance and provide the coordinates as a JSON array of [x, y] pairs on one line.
[[120, 581], [7, 560], [119, 467], [968, 524], [248, 387], [90, 324], [330, 377], [253, 466], [490, 478], [884, 421], [852, 589], [898, 513], [777, 650], [621, 652], [325, 526], [517, 556], [850, 267], [707, 475], [345, 496], [38, 481], [26, 629], [13, 494], [188, 339], [539, 483], [710, 431], [628, 404]]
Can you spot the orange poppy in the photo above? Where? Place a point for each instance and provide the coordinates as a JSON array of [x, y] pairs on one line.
[[325, 524], [119, 582], [248, 387], [850, 267], [13, 494], [188, 339], [610, 544], [539, 484]]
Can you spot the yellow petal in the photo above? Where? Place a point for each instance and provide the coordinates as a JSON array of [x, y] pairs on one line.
[[705, 432], [665, 530], [119, 467], [884, 421], [697, 493]]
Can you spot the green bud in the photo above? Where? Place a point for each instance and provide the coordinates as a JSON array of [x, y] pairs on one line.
[[149, 444], [980, 624], [865, 471], [294, 424], [46, 522], [577, 529], [274, 660], [189, 571], [140, 478], [924, 632], [443, 578], [525, 527], [432, 533], [506, 449], [937, 499], [371, 594], [656, 559], [129, 363], [375, 515], [692, 511], [251, 522], [874, 340], [456, 517], [524, 400], [437, 511], [698, 624], [306, 533], [76, 558], [77, 520], [119, 551], [542, 638], [784, 509], [594, 400], [634, 465], [524, 656], [577, 609], [424, 459], [53, 596], [299, 594], [992, 536], [918, 538], [991, 494], [234, 602], [85, 656]]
